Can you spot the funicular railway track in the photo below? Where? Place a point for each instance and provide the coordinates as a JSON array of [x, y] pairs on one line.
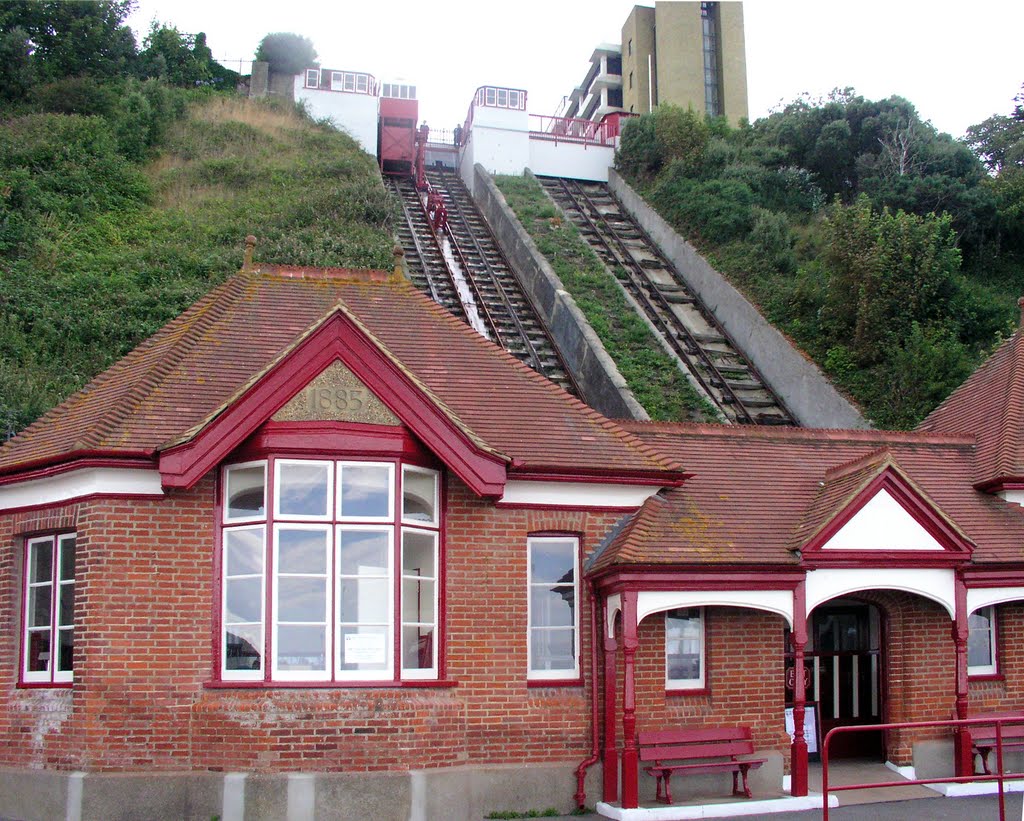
[[473, 279], [728, 379]]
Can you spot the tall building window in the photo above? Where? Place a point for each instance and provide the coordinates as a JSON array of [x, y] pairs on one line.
[[553, 640], [49, 607], [330, 571], [709, 17]]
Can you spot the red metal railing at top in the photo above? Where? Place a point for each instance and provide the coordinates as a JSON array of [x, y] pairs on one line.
[[568, 129], [999, 776]]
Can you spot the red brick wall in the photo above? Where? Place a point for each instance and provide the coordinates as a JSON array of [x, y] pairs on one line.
[[144, 632]]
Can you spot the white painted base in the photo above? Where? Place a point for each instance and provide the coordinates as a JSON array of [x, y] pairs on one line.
[[906, 772], [977, 788], [732, 809]]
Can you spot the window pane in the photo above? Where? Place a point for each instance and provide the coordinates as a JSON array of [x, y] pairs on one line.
[[419, 494], [39, 651], [552, 561], [365, 491], [683, 639], [364, 648], [363, 552], [39, 603], [246, 492], [418, 648], [244, 551], [66, 615], [363, 601], [301, 647], [979, 639], [553, 649], [67, 557], [303, 489], [551, 607], [242, 649], [243, 600], [301, 599], [418, 553], [65, 650], [417, 600], [301, 551], [41, 562]]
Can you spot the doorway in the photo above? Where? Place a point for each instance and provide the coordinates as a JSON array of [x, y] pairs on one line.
[[843, 665]]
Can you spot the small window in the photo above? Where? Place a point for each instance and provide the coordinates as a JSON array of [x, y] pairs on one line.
[[362, 83], [490, 96], [981, 642], [553, 642], [350, 82], [312, 78], [49, 631], [629, 48], [513, 99], [337, 81], [303, 489], [631, 82], [419, 496], [386, 90], [503, 98], [245, 492], [684, 649], [365, 491]]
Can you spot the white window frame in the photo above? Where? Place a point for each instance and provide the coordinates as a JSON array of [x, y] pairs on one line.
[[552, 675], [328, 514], [51, 675], [388, 672], [337, 81], [362, 83], [991, 668], [243, 675], [302, 675], [699, 683], [392, 492], [312, 78], [422, 673], [418, 523], [225, 471]]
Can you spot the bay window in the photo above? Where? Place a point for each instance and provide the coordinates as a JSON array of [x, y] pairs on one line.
[[49, 610], [684, 649], [553, 611], [336, 578]]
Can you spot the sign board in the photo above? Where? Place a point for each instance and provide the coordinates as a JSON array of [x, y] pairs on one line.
[[810, 725], [365, 648]]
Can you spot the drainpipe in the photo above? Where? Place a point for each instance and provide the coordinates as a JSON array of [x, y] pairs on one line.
[[581, 770]]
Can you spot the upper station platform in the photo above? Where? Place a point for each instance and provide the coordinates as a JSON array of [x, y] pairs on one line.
[[498, 132]]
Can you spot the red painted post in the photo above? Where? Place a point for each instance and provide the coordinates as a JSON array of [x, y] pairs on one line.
[[964, 757], [610, 780], [798, 752], [630, 750]]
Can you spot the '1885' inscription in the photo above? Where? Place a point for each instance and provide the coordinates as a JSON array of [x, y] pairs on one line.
[[340, 399]]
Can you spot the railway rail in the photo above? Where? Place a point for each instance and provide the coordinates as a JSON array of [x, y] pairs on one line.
[[716, 364], [463, 269]]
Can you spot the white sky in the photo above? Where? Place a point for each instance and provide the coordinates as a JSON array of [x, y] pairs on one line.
[[958, 62]]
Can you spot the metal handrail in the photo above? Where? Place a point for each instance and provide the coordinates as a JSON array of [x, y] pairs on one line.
[[998, 776]]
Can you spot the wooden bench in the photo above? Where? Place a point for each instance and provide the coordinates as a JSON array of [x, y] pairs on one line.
[[698, 751], [983, 738]]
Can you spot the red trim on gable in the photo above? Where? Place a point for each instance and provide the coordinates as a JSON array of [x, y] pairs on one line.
[[956, 548], [338, 338], [317, 438], [665, 478]]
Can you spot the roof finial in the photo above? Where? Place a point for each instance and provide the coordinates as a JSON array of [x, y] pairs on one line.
[[250, 244], [1020, 304], [399, 261]]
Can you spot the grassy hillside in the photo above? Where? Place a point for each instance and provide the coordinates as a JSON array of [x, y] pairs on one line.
[[97, 251]]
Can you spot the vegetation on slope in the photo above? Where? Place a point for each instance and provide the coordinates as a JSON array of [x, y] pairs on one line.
[[652, 375], [97, 251], [882, 247]]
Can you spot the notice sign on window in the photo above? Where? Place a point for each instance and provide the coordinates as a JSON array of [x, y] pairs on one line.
[[810, 726], [364, 648]]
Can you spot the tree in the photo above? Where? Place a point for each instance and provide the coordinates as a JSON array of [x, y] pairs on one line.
[[72, 39], [999, 140], [287, 53], [180, 59]]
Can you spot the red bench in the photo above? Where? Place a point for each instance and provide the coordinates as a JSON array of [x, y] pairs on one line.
[[983, 737], [698, 751]]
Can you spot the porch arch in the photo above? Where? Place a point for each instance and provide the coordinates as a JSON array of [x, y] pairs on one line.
[[986, 596], [779, 602], [936, 584]]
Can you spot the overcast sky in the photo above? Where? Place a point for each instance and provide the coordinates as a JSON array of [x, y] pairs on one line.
[[958, 62]]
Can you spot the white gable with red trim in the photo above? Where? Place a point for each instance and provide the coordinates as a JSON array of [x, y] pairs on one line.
[[882, 524]]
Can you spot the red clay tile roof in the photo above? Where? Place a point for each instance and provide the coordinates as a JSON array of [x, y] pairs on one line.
[[181, 376], [990, 405], [755, 490]]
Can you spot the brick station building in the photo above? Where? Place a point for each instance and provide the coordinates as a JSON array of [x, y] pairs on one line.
[[318, 549]]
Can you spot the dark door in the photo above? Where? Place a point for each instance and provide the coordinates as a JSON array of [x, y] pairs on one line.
[[843, 662]]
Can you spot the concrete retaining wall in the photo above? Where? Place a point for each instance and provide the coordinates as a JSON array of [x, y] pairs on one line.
[[808, 394], [603, 387], [452, 793]]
